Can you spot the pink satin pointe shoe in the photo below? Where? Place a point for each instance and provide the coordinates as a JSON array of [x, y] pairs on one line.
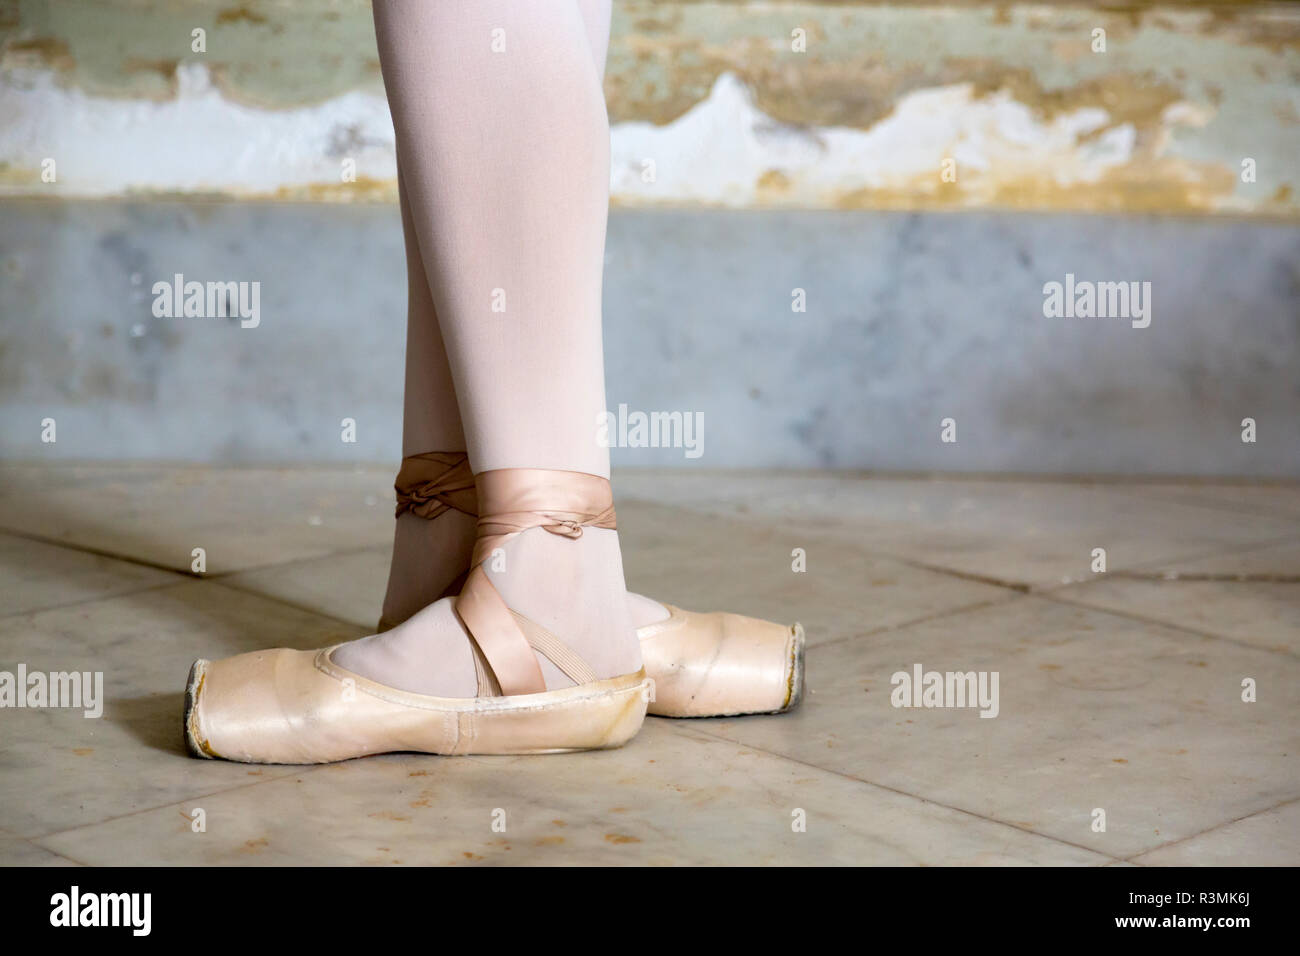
[[700, 664], [299, 707], [721, 665]]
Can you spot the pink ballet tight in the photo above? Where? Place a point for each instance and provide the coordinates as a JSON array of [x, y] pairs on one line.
[[503, 152]]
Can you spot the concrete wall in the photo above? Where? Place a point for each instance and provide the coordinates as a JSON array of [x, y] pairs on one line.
[[910, 318]]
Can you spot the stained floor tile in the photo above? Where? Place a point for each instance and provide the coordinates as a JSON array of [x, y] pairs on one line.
[[672, 796], [1096, 712], [17, 852], [709, 563], [241, 517], [1271, 838], [1030, 533], [1101, 706], [34, 575], [348, 586], [61, 769], [1263, 614], [1269, 562], [1282, 499]]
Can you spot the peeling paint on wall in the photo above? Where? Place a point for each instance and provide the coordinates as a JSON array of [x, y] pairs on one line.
[[710, 92], [724, 151], [1199, 90], [197, 142]]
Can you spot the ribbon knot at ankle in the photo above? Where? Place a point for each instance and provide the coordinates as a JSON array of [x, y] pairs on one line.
[[512, 501], [565, 527], [429, 484]]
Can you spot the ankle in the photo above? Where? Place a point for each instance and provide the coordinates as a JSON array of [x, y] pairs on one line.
[[428, 558], [574, 588]]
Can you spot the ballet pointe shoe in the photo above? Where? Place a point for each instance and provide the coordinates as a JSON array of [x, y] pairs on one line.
[[721, 665], [698, 664], [300, 707]]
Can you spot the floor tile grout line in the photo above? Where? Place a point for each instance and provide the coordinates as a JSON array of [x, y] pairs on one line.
[[1261, 544], [928, 800], [143, 589], [1028, 587], [304, 769], [62, 856], [181, 577], [192, 575], [165, 585], [290, 604], [1023, 588], [1217, 826], [923, 619], [789, 523], [911, 562], [305, 559], [1019, 586], [1134, 572], [1130, 486], [98, 552], [785, 522], [1198, 578], [1133, 616], [1258, 511]]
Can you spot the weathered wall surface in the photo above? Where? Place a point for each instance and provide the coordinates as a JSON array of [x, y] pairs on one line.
[[803, 147], [1189, 108], [911, 318]]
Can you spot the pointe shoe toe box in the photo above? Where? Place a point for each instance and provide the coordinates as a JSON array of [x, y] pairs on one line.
[[718, 664], [286, 706]]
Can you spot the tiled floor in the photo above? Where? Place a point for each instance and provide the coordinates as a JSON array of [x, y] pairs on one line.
[[1119, 692]]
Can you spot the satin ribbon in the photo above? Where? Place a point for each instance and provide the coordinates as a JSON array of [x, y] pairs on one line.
[[515, 500], [429, 484]]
